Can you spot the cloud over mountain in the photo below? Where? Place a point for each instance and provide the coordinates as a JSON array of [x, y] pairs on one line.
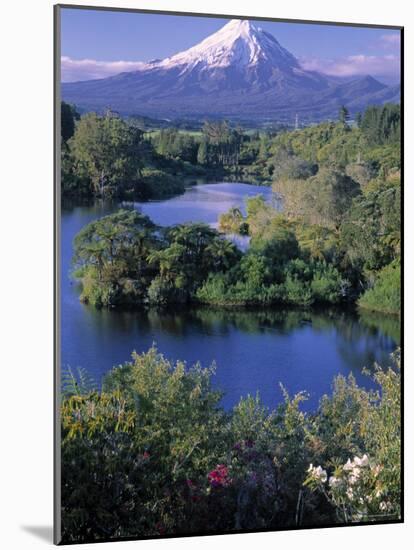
[[354, 65]]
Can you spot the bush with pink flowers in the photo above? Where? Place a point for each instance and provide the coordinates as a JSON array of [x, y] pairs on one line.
[[154, 454]]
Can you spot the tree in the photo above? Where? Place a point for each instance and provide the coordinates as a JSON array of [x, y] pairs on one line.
[[202, 154], [107, 153], [110, 258], [371, 232], [381, 125], [323, 199], [223, 142], [343, 115], [288, 165], [68, 115], [385, 294], [192, 252], [233, 221]]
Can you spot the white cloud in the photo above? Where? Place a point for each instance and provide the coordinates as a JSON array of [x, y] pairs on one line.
[[375, 65], [391, 40], [88, 69], [356, 65]]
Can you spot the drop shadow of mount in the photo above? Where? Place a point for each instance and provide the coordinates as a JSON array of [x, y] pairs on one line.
[[43, 532]]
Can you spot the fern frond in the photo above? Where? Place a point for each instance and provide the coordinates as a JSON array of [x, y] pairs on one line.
[[77, 383]]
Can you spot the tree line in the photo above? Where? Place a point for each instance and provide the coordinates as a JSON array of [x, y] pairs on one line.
[[104, 155]]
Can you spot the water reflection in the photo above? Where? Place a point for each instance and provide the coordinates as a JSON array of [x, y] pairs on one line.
[[254, 350]]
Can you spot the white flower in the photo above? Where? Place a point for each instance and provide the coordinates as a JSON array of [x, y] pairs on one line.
[[318, 473], [350, 494], [385, 506], [353, 479], [335, 482], [348, 466], [361, 462], [321, 474]]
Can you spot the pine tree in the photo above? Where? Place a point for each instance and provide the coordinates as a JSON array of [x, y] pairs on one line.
[[343, 115]]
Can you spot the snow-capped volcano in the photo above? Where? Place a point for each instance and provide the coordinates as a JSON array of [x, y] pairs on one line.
[[239, 71], [239, 43]]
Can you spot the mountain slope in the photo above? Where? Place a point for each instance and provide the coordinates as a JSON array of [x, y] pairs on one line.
[[240, 71]]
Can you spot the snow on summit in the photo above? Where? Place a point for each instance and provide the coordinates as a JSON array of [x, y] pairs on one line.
[[238, 43]]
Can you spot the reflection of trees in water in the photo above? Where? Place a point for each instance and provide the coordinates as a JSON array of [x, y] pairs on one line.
[[360, 339], [387, 324], [363, 340], [252, 321]]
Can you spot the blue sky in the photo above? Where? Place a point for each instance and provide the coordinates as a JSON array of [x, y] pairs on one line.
[[100, 43]]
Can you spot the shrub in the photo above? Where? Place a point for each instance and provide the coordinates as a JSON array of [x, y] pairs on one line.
[[152, 453], [385, 294]]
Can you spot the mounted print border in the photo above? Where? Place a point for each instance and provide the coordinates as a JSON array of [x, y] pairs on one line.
[[228, 274]]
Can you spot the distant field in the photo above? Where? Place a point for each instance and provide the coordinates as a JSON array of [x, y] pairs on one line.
[[194, 133], [198, 133]]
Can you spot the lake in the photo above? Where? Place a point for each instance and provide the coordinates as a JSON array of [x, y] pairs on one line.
[[254, 350]]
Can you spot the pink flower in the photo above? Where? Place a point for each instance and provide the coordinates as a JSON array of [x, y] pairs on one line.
[[219, 476]]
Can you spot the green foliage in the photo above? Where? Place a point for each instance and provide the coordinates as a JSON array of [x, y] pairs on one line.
[[381, 125], [371, 231], [385, 294], [109, 157], [343, 114], [68, 116], [202, 153], [158, 184], [110, 257], [129, 452], [372, 148], [233, 221], [361, 172], [171, 143], [152, 453], [339, 187], [323, 199], [192, 252], [257, 280], [124, 259], [77, 383], [220, 144], [106, 153], [355, 423], [285, 164]]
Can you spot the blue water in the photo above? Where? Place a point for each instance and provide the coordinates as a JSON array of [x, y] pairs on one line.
[[253, 350]]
